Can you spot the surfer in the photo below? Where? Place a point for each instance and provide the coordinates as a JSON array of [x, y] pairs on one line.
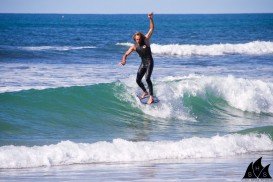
[[142, 47]]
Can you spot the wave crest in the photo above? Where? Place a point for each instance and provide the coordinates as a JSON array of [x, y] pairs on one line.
[[181, 96], [67, 152], [244, 94], [56, 48], [251, 48]]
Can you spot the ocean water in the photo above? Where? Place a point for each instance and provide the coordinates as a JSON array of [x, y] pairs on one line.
[[68, 111]]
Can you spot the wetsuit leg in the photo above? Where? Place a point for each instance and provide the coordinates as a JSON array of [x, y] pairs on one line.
[[148, 77], [140, 73]]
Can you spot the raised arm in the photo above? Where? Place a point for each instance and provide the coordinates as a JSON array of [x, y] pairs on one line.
[[151, 30], [128, 52]]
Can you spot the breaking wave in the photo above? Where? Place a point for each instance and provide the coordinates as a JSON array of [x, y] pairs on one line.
[[251, 48], [119, 150]]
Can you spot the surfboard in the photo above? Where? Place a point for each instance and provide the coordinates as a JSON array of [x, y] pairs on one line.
[[145, 99]]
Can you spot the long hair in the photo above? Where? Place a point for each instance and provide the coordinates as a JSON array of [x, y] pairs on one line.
[[142, 37]]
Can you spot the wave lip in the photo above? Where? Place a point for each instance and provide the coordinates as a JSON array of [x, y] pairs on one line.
[[56, 48], [250, 48], [67, 152], [244, 94]]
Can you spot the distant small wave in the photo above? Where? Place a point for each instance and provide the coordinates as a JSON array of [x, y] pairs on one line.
[[56, 48], [251, 48], [67, 152], [125, 44]]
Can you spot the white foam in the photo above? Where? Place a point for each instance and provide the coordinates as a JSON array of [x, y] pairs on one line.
[[245, 94], [164, 109], [67, 152], [252, 48], [125, 44], [56, 48]]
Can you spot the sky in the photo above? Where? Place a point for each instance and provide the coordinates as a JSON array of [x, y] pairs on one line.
[[136, 7]]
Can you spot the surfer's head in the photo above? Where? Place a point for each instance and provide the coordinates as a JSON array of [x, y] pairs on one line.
[[139, 38]]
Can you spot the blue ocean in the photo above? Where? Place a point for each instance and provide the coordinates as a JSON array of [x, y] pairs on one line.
[[69, 111]]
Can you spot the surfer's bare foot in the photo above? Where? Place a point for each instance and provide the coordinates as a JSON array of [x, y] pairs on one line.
[[144, 95], [151, 100]]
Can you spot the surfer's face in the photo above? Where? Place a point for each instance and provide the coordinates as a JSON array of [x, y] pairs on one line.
[[138, 39]]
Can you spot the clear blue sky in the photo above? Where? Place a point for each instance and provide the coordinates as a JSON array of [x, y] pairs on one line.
[[136, 7]]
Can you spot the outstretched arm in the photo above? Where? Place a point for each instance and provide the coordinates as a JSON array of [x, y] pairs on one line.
[[124, 57], [151, 30]]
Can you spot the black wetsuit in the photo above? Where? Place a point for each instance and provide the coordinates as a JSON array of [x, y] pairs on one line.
[[146, 67]]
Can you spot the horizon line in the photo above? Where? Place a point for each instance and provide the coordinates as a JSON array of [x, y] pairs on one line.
[[137, 13]]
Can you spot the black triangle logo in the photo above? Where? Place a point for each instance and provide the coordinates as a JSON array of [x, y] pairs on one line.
[[256, 170], [257, 167], [265, 173], [249, 172]]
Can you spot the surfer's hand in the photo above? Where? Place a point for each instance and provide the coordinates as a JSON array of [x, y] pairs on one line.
[[123, 62], [150, 15]]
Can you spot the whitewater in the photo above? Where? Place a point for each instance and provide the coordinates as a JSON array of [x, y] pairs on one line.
[[251, 48], [67, 152]]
